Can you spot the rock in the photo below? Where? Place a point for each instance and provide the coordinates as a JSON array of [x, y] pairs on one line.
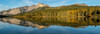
[[31, 7], [13, 11]]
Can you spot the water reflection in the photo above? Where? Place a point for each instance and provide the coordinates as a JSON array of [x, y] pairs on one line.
[[22, 22], [45, 22]]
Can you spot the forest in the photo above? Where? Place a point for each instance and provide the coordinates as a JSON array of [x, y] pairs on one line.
[[70, 15], [62, 11]]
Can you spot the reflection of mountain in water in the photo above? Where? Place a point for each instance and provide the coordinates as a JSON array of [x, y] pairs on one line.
[[44, 22], [22, 22]]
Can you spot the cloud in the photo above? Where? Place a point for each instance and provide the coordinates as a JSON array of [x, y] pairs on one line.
[[44, 0], [0, 9], [1, 5], [63, 2], [28, 1], [4, 8], [69, 2]]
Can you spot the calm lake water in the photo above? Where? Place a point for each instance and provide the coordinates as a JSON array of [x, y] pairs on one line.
[[50, 26]]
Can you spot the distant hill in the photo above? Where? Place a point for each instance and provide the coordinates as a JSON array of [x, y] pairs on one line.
[[77, 4]]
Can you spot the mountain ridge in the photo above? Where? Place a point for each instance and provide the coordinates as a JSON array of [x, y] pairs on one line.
[[24, 9]]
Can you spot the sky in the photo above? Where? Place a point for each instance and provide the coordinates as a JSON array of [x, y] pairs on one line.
[[9, 4]]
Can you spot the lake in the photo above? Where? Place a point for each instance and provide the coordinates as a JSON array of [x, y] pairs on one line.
[[50, 25]]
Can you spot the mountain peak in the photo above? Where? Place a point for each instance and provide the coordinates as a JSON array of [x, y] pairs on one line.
[[76, 3], [41, 5]]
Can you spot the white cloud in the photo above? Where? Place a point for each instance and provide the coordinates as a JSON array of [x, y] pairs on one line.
[[0, 9], [25, 3], [28, 1], [0, 5], [4, 8], [45, 0], [63, 2]]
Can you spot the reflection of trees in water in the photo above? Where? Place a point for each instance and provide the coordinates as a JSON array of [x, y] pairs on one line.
[[73, 21], [44, 22], [65, 21]]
